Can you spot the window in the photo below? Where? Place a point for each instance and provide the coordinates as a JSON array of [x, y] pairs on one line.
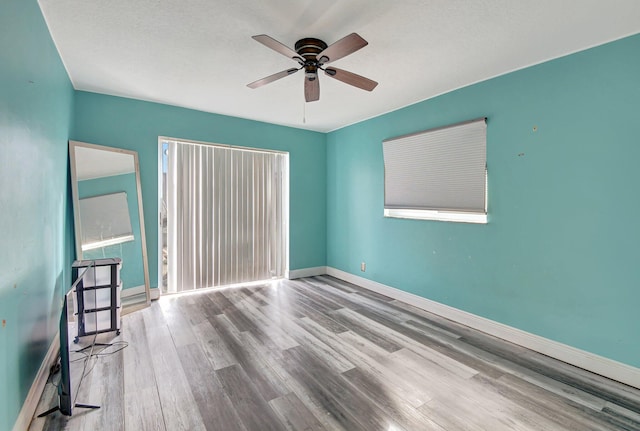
[[438, 174], [226, 215]]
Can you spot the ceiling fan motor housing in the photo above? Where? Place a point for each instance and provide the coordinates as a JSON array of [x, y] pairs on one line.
[[308, 48]]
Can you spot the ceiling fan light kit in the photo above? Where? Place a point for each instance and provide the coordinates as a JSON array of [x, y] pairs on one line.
[[312, 54]]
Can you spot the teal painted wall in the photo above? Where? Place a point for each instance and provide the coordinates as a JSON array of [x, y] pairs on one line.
[[132, 272], [36, 246], [136, 125], [559, 257]]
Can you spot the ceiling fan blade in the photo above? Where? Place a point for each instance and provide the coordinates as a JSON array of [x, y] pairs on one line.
[[311, 89], [351, 78], [345, 46], [271, 78], [270, 42]]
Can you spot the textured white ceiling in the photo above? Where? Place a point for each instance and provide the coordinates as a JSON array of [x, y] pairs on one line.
[[199, 53]]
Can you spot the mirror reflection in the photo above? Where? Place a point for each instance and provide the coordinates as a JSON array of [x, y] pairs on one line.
[[108, 214]]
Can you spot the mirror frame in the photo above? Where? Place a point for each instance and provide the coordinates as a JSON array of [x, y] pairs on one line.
[[76, 212]]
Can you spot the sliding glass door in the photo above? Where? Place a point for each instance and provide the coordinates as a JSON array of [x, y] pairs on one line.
[[224, 215]]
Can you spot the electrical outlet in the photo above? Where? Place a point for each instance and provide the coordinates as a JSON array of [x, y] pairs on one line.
[[363, 266]]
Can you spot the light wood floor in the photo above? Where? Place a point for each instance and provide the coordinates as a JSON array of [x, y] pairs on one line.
[[322, 354]]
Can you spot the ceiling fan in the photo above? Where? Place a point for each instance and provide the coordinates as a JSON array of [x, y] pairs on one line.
[[312, 55]]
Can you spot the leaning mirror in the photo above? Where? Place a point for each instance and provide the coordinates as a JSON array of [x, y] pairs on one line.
[[109, 222]]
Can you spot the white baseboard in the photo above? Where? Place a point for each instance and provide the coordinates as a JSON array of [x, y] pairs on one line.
[[37, 387], [130, 291], [306, 272], [154, 293], [589, 361]]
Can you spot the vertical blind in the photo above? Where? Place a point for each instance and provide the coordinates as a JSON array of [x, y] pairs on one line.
[[441, 169], [226, 215]]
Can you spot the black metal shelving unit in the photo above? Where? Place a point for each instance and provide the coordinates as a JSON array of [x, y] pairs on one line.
[[97, 296]]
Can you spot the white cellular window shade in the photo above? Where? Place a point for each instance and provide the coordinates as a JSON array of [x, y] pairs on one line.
[[105, 221], [438, 174]]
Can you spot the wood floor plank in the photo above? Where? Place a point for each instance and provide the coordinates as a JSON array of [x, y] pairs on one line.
[[264, 326], [281, 303], [142, 406], [334, 360], [424, 316], [356, 325], [338, 285], [411, 384], [266, 382], [294, 414], [324, 354], [178, 322], [48, 400], [294, 335], [143, 410], [418, 342], [393, 405], [348, 299], [325, 320], [236, 315], [252, 295], [316, 390], [209, 339], [372, 360], [275, 359], [254, 412], [553, 407], [178, 405], [100, 369], [348, 401], [430, 330], [315, 299], [479, 407], [451, 347], [219, 302], [215, 408], [433, 360]]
